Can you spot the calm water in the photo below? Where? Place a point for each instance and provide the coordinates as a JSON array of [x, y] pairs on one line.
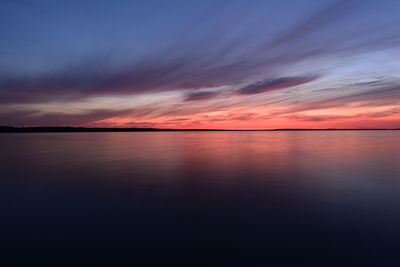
[[205, 198]]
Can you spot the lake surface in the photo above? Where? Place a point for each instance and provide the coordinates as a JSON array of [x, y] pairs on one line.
[[299, 198]]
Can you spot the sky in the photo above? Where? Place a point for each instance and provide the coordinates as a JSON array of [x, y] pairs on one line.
[[209, 64]]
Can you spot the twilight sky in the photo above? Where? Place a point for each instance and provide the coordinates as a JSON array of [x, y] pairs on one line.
[[259, 64]]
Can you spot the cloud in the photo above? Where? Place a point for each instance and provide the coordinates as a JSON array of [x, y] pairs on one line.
[[385, 92], [34, 117], [321, 18], [391, 112], [252, 89], [377, 94], [274, 84], [179, 119], [202, 95]]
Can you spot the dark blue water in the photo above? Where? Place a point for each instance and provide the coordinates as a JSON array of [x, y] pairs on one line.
[[201, 198]]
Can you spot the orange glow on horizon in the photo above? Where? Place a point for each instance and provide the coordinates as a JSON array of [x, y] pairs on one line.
[[257, 119]]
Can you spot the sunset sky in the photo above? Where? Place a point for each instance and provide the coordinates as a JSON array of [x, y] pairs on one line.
[[259, 64]]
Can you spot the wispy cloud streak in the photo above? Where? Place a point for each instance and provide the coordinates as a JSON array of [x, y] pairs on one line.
[[274, 84]]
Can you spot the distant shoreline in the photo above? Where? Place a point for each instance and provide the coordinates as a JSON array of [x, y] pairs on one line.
[[9, 129]]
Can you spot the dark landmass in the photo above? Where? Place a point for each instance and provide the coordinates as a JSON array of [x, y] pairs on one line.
[[10, 129]]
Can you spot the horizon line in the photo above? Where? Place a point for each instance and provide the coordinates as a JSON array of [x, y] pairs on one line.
[[33, 129]]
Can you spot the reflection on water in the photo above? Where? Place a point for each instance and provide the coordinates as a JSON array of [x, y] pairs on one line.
[[207, 198]]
